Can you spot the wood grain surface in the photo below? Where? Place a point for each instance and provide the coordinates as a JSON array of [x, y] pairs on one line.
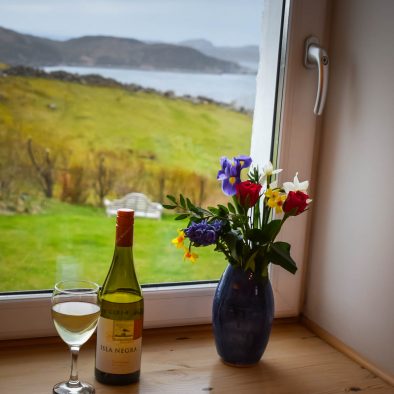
[[184, 360]]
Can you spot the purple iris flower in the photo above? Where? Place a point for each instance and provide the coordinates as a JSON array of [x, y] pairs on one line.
[[230, 174], [243, 161], [204, 233]]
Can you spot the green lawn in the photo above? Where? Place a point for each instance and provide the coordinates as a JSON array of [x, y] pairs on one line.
[[67, 241]]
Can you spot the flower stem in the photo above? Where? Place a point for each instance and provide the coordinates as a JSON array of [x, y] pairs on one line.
[[256, 214], [222, 248], [285, 217]]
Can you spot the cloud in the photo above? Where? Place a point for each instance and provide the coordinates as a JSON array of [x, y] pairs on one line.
[[224, 22]]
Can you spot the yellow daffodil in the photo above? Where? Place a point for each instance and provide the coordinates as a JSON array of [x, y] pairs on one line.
[[178, 241], [189, 255], [275, 199]]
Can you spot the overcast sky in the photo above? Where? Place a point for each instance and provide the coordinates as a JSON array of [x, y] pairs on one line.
[[223, 22]]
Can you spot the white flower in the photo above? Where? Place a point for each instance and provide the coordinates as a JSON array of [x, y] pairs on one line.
[[268, 169], [296, 185]]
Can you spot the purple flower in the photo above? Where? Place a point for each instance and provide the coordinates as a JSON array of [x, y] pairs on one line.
[[243, 161], [217, 225], [204, 233], [230, 174]]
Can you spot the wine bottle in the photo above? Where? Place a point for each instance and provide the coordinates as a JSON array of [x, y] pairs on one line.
[[119, 330]]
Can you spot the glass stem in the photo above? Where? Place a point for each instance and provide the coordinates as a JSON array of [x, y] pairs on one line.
[[74, 381]]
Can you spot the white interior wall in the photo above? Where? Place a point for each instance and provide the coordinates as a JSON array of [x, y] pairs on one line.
[[350, 289]]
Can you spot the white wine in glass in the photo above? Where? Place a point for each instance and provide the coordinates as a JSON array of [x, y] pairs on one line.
[[75, 311]]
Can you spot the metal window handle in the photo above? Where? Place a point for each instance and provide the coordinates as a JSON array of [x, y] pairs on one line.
[[316, 56]]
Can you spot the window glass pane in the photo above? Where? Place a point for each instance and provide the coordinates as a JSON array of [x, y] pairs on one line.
[[100, 99]]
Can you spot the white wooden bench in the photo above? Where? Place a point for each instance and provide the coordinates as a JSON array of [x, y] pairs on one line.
[[141, 205]]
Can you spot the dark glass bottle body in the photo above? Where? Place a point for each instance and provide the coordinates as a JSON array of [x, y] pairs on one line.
[[119, 332]]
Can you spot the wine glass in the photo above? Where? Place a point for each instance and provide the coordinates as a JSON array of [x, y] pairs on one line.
[[75, 311]]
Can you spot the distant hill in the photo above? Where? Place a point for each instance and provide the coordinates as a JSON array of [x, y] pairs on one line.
[[18, 49], [247, 55], [103, 51]]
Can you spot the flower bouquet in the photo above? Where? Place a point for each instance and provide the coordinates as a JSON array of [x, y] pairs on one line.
[[244, 230]]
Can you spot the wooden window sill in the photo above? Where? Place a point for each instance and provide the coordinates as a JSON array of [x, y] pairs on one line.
[[184, 360]]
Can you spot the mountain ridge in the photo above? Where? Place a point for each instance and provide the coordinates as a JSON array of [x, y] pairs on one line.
[[245, 55], [107, 51]]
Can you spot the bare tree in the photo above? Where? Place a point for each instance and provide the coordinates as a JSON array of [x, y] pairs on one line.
[[104, 179], [45, 169], [75, 185]]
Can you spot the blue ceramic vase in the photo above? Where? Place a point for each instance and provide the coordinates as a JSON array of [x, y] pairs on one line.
[[243, 311]]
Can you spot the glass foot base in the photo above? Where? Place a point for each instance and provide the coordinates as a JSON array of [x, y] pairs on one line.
[[65, 388]]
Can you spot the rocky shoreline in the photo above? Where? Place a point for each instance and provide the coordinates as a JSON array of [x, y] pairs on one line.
[[98, 80]]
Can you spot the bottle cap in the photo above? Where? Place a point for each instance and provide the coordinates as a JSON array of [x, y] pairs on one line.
[[124, 227], [125, 217], [125, 212]]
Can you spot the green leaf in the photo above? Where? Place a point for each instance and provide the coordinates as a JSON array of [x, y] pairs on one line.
[[171, 198], [285, 246], [232, 240], [231, 208], [257, 235], [166, 206], [182, 216], [190, 205], [182, 201], [223, 210], [251, 263], [272, 229], [214, 210], [241, 248], [279, 254], [239, 221], [200, 211], [197, 211]]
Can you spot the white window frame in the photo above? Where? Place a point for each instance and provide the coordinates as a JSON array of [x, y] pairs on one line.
[[24, 315], [29, 316]]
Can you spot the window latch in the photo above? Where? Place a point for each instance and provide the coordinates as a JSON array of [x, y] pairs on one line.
[[316, 57]]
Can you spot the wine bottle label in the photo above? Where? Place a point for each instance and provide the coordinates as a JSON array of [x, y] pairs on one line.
[[118, 346]]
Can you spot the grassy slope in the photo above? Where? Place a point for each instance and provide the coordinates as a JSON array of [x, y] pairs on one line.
[[66, 240], [176, 132], [37, 250]]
